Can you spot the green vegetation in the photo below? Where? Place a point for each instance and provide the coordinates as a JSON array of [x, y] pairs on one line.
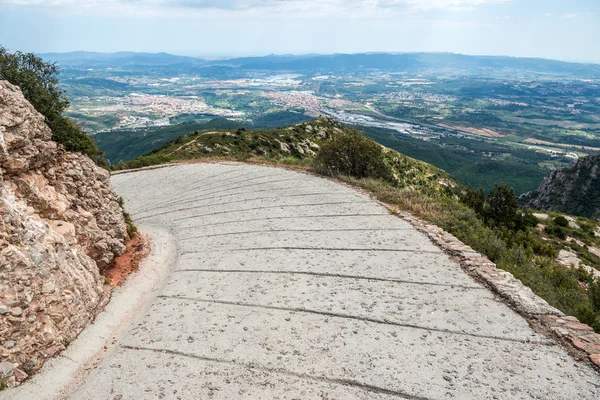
[[39, 83], [299, 145], [351, 153], [126, 145], [471, 161], [278, 119], [131, 228]]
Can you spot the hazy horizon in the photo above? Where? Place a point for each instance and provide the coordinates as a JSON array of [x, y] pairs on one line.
[[226, 56], [550, 29]]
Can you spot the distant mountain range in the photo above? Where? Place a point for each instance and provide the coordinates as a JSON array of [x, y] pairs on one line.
[[409, 62], [124, 58]]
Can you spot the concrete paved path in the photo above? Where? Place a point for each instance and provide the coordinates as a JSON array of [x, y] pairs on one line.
[[289, 286]]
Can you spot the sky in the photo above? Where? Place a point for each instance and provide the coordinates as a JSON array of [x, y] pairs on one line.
[[556, 29]]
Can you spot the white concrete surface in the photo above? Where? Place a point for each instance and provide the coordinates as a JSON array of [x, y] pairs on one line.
[[289, 286]]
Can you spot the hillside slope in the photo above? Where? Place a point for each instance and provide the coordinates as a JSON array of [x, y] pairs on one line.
[[293, 144], [125, 145], [572, 190]]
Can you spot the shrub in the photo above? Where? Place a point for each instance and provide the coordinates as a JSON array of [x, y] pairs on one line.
[[594, 291], [502, 208], [561, 221], [474, 199], [131, 228], [350, 153], [556, 231], [143, 161], [72, 136]]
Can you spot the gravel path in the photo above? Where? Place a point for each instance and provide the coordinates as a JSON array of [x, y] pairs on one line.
[[289, 286]]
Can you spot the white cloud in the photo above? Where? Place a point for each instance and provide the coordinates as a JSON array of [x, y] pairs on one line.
[[439, 4], [317, 5]]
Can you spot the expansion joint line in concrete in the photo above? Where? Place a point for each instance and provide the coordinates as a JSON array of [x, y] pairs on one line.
[[299, 230], [353, 317], [329, 275], [290, 217], [206, 179], [281, 371], [221, 196], [226, 203], [192, 189], [184, 176], [254, 209], [270, 190], [229, 186], [181, 178], [204, 206], [314, 249]]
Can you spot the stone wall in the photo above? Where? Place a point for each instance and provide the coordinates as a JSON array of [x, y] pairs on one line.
[[60, 224]]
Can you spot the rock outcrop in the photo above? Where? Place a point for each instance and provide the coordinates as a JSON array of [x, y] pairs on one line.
[[60, 225], [573, 190]]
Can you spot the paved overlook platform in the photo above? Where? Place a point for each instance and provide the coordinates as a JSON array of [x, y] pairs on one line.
[[290, 286]]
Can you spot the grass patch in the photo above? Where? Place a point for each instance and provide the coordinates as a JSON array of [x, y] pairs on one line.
[[131, 228]]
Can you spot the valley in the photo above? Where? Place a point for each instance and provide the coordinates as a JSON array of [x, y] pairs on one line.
[[520, 125]]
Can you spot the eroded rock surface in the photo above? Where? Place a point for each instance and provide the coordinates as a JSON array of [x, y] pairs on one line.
[[60, 224], [573, 190]]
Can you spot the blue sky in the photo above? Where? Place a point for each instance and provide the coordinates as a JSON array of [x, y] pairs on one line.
[[558, 29]]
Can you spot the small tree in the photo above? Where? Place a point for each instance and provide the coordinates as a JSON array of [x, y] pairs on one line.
[[503, 208], [561, 221], [351, 153], [473, 198]]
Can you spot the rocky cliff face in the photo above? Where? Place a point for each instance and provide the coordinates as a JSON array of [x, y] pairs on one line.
[[60, 225], [573, 190]]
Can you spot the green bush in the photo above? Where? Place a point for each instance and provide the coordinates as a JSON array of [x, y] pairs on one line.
[[503, 208], [594, 291], [131, 228], [561, 221], [350, 153], [38, 82], [556, 231], [498, 209], [143, 161]]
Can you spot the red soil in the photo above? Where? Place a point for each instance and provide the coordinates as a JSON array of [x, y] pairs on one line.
[[138, 248]]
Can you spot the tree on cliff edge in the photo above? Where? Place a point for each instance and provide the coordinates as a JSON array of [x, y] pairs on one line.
[[38, 81]]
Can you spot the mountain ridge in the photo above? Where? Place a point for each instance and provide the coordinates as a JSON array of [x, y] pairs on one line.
[[384, 61], [573, 190], [294, 144]]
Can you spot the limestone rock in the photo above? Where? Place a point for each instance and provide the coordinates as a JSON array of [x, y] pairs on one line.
[[571, 190], [60, 224]]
